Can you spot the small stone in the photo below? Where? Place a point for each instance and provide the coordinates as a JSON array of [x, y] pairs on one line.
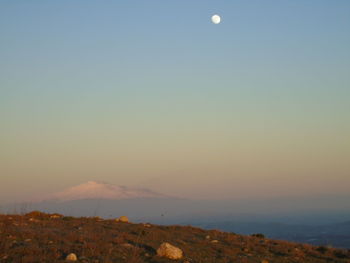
[[127, 245], [123, 219], [207, 237], [55, 216], [215, 241], [169, 251], [72, 257]]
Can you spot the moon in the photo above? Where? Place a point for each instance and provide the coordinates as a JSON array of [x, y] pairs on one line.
[[216, 19]]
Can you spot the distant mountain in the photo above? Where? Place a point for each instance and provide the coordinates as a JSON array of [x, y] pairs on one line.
[[99, 190], [106, 200], [296, 219]]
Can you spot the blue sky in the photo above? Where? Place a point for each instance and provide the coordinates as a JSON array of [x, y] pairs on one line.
[[140, 92]]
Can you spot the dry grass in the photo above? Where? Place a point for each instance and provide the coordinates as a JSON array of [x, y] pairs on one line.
[[39, 237]]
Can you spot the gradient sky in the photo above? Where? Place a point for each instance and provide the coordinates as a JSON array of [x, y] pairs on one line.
[[152, 94]]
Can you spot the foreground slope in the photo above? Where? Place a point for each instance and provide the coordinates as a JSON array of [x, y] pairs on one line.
[[38, 237]]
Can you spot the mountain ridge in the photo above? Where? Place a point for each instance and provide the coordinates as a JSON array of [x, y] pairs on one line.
[[99, 190]]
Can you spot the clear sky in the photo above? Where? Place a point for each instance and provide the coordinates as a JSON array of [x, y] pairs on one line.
[[152, 94]]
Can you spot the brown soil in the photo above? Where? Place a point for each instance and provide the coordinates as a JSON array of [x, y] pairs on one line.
[[39, 237]]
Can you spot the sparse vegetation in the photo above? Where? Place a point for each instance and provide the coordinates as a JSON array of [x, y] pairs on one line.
[[322, 249], [39, 237], [259, 235]]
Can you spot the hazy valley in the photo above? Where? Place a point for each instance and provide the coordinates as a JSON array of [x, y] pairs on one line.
[[317, 226]]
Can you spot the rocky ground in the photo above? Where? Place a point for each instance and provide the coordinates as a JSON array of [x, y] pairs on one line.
[[38, 237]]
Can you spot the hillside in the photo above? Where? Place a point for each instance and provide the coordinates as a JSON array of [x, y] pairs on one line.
[[38, 237], [336, 235]]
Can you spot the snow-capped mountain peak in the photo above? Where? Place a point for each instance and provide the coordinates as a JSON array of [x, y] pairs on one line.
[[99, 190]]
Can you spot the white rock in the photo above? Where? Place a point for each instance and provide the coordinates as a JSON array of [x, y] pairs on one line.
[[123, 219], [72, 257], [55, 216], [169, 251]]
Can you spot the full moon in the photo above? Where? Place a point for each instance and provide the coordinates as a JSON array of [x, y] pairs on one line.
[[216, 19]]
